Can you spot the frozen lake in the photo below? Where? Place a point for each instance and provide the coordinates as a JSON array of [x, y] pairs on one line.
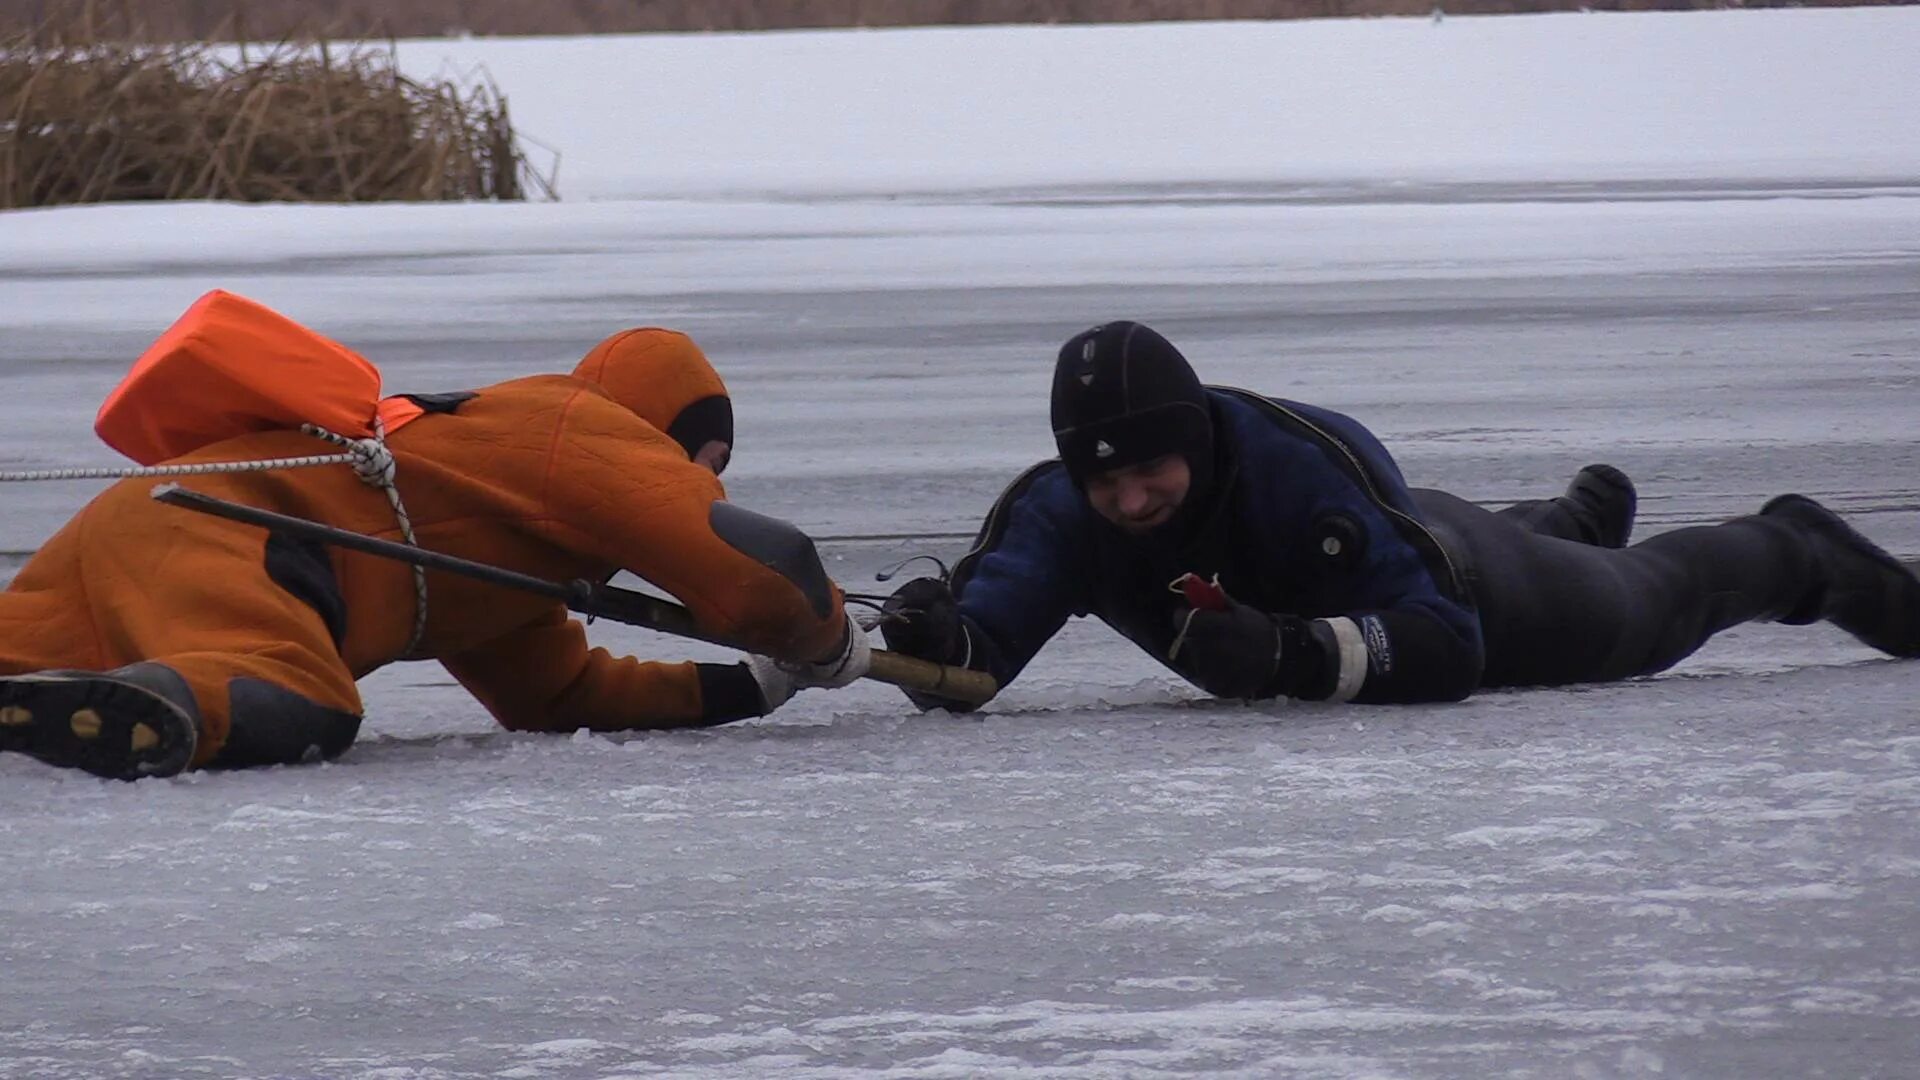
[[1711, 873]]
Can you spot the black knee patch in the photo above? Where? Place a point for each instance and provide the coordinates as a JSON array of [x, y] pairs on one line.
[[272, 725], [305, 569]]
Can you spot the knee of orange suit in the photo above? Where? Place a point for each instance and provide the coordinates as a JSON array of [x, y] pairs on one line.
[[268, 724]]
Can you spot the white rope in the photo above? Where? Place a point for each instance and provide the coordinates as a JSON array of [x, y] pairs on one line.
[[205, 468], [373, 464], [371, 460]]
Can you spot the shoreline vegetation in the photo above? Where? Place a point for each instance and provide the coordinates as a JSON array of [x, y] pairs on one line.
[[262, 20], [303, 100], [89, 113]]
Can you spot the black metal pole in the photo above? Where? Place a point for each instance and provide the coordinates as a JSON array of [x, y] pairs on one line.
[[594, 601]]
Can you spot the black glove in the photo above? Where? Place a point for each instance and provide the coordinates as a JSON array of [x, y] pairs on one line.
[[1234, 652], [922, 619]]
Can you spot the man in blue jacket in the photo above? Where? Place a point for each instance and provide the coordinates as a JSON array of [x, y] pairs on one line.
[[1265, 548]]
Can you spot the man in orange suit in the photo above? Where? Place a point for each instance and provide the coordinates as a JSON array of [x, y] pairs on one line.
[[142, 639]]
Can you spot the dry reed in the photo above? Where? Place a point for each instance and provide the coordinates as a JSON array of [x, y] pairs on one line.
[[92, 116], [217, 19]]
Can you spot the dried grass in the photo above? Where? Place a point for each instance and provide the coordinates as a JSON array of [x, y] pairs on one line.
[[218, 19], [87, 115]]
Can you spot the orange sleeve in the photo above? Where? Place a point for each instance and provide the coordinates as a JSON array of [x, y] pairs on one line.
[[621, 492], [543, 677]]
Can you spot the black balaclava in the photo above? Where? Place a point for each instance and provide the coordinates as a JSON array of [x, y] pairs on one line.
[[1122, 394], [708, 420]]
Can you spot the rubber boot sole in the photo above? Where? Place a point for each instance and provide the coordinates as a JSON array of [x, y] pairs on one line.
[[95, 723]]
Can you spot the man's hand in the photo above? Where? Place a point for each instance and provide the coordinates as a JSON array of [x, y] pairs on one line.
[[922, 619], [1234, 651], [851, 661]]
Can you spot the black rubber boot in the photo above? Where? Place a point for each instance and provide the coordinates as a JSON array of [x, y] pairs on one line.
[[122, 725], [1862, 589], [1602, 500]]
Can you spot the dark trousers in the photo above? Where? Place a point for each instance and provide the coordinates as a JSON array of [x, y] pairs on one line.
[[1556, 611]]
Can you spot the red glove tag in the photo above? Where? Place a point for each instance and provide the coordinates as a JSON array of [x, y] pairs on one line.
[[1201, 594]]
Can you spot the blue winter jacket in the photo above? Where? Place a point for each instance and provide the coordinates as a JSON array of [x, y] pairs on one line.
[[1308, 518]]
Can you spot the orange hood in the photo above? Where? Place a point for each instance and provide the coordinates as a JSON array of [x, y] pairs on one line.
[[664, 378]]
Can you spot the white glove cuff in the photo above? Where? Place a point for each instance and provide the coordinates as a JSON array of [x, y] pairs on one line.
[[775, 683], [856, 656]]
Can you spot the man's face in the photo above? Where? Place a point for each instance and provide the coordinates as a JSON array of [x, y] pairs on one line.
[[1139, 498], [714, 454]]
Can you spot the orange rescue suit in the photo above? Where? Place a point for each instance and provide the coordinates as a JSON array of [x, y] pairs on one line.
[[558, 476]]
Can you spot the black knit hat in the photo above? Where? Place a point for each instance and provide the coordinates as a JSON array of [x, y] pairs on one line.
[[1122, 394]]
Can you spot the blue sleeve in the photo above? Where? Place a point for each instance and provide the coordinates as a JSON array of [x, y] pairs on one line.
[[1024, 577]]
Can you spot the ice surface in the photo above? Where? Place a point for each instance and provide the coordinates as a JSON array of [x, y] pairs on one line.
[[1703, 264]]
